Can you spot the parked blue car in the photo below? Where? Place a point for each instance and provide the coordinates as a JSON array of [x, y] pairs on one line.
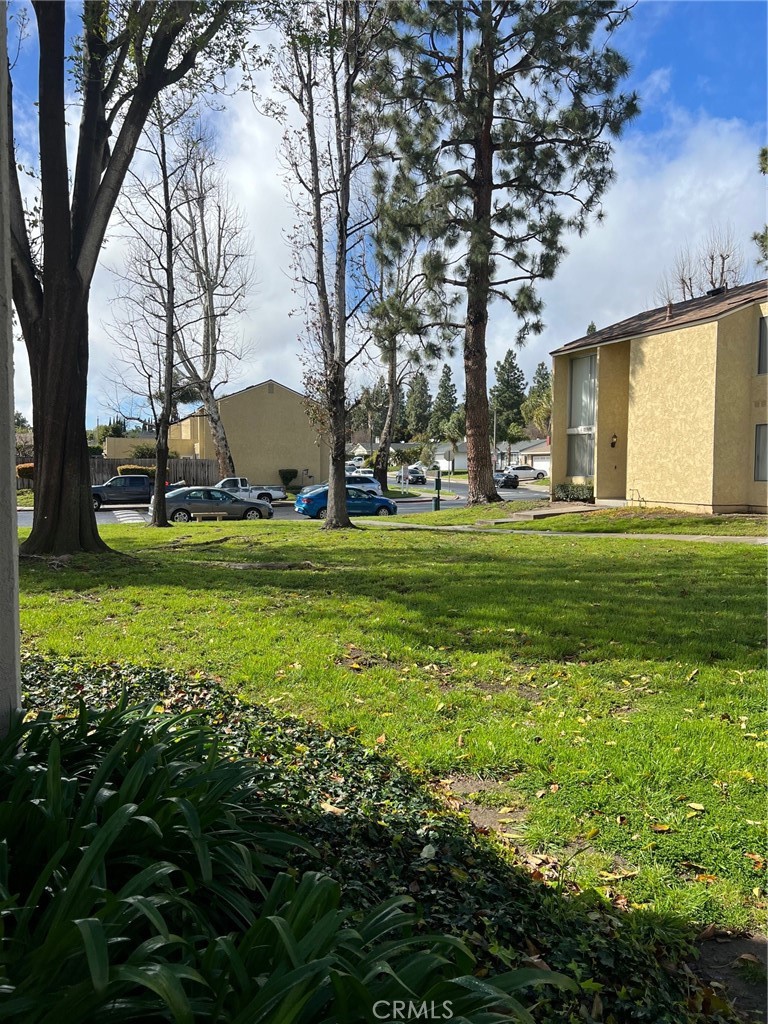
[[315, 504]]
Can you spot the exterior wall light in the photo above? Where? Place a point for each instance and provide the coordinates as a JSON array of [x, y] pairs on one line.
[[614, 439]]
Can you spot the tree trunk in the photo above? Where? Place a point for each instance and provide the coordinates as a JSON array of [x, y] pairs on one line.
[[481, 487], [337, 517], [382, 455], [218, 433], [64, 519], [10, 695]]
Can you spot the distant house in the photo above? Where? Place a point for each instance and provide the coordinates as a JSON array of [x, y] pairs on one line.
[[268, 429], [451, 458], [668, 407], [536, 453]]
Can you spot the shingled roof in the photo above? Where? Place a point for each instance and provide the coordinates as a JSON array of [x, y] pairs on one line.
[[673, 316]]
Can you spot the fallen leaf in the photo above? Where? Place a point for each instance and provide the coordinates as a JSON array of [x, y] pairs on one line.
[[696, 807], [381, 740], [692, 675], [658, 827], [706, 879], [707, 933], [428, 853], [540, 793], [757, 861], [621, 819], [331, 808], [592, 833], [554, 787], [748, 958]]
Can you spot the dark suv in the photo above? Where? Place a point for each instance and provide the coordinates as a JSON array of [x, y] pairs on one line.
[[123, 490]]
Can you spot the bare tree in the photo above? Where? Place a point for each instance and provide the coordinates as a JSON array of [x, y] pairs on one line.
[[215, 274], [716, 262], [329, 48], [129, 53], [145, 332]]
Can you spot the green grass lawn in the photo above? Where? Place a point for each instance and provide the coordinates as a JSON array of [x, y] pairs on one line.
[[25, 499], [651, 520], [615, 693]]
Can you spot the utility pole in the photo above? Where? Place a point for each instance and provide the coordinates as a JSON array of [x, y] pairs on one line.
[[9, 557]]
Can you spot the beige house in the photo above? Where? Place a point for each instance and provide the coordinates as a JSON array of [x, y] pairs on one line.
[[268, 429], [669, 407]]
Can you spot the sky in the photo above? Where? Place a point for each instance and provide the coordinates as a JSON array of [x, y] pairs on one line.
[[686, 165]]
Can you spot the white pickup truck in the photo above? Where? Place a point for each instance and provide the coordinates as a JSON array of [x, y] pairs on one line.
[[262, 492]]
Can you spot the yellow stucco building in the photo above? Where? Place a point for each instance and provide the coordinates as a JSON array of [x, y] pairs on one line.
[[669, 407], [268, 429]]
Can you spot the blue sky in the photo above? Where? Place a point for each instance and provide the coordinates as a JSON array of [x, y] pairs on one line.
[[688, 163]]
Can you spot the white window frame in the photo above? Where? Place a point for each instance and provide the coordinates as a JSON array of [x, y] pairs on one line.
[[587, 429], [761, 451]]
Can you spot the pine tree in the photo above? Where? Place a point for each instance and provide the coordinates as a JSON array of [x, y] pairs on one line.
[[504, 128], [418, 406], [400, 429], [507, 395], [444, 406], [760, 238]]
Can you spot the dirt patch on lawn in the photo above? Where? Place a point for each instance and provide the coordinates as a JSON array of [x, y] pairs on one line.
[[733, 965]]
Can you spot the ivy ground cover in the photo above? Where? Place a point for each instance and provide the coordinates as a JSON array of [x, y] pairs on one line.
[[604, 700]]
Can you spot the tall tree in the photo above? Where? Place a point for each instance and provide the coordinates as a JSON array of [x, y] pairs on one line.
[[214, 277], [145, 327], [508, 394], [418, 405], [444, 405], [327, 52], [716, 261], [760, 238], [10, 690], [537, 408], [128, 54], [503, 135]]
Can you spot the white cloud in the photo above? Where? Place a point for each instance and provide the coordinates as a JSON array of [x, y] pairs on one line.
[[672, 186]]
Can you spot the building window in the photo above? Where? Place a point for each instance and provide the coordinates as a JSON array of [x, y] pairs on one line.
[[581, 416], [762, 346], [761, 451]]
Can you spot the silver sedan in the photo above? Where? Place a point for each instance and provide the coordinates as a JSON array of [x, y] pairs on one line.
[[185, 503]]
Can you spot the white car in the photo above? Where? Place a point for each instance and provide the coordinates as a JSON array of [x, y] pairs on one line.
[[526, 472]]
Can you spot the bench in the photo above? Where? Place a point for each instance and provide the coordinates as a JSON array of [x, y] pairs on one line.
[[200, 516]]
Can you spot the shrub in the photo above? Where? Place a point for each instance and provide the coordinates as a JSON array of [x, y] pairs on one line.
[[287, 476], [144, 450], [25, 471], [129, 470], [144, 877], [373, 842], [95, 450], [574, 492]]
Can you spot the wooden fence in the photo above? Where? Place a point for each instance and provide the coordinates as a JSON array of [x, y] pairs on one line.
[[199, 472]]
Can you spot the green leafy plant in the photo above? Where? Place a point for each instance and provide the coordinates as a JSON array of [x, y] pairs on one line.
[[129, 470], [287, 476], [573, 492], [143, 876]]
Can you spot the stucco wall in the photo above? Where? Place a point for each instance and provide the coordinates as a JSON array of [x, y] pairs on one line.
[[670, 428], [612, 413], [741, 402], [268, 430], [560, 383]]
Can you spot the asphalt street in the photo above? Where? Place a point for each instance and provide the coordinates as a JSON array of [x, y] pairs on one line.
[[139, 514]]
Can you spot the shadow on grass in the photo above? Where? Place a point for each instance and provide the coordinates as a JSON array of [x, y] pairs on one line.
[[565, 600], [379, 832]]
